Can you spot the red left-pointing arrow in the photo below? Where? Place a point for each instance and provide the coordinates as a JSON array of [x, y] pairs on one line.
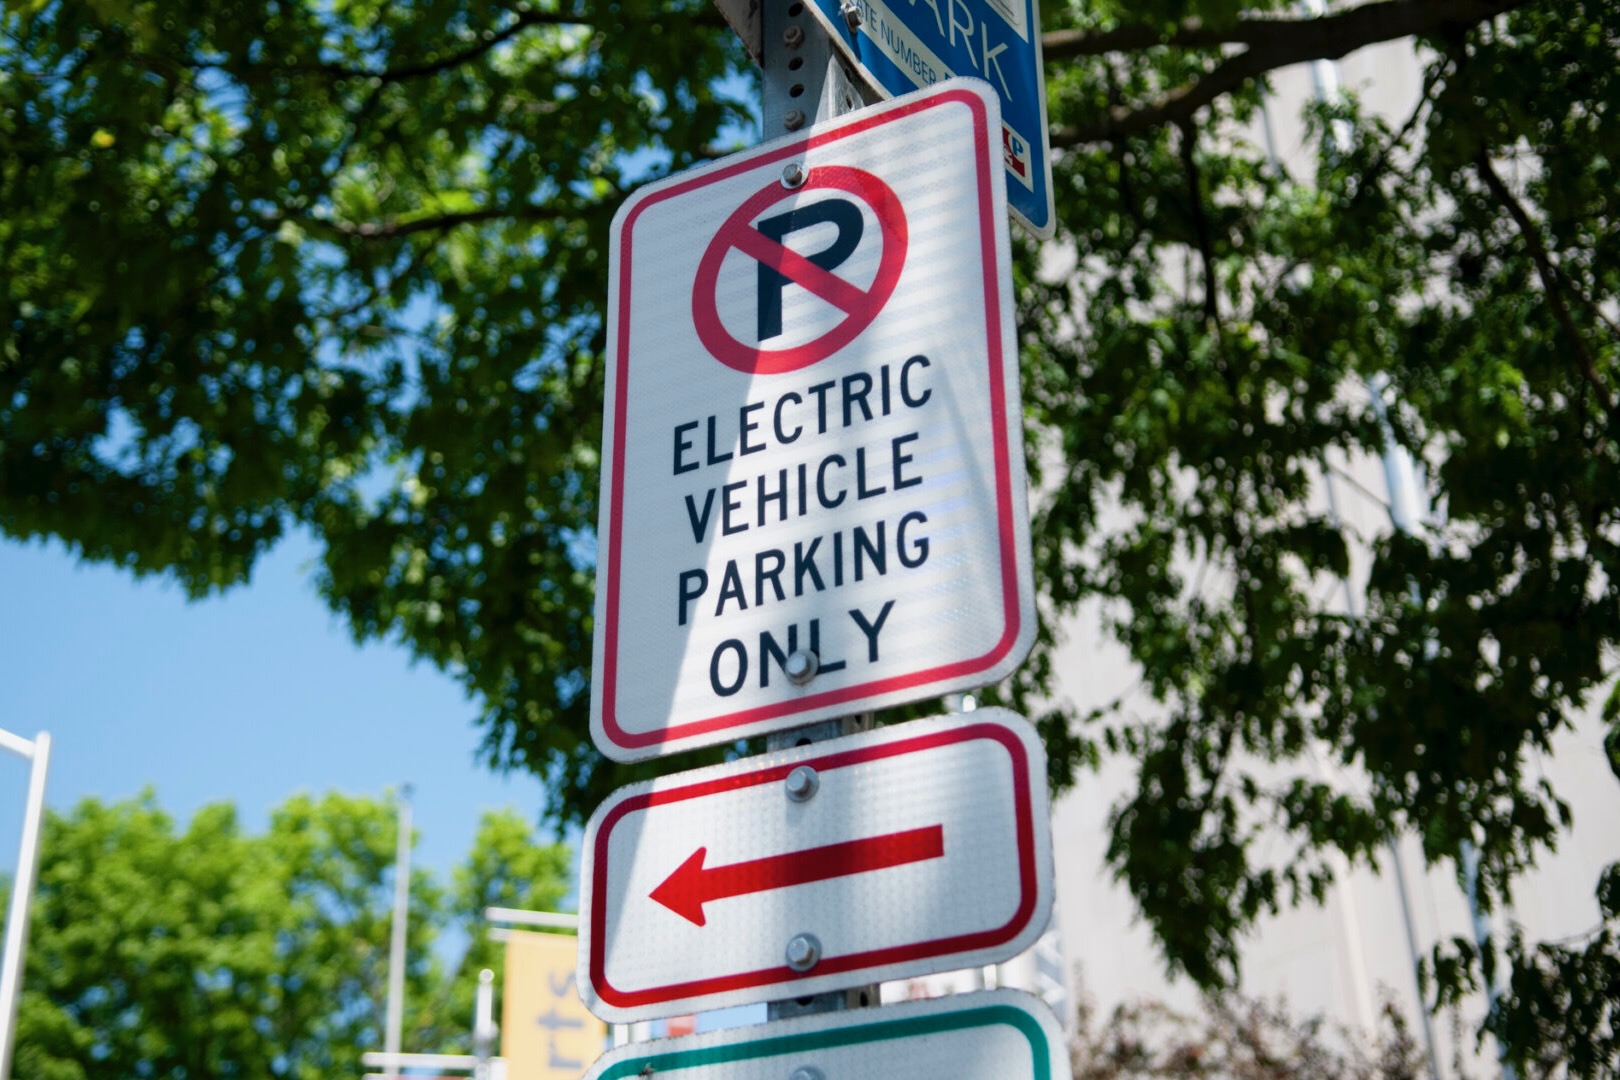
[[692, 884]]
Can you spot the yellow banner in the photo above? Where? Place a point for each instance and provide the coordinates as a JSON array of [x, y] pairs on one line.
[[546, 1031]]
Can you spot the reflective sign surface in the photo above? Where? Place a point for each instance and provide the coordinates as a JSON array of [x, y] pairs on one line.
[[916, 848]]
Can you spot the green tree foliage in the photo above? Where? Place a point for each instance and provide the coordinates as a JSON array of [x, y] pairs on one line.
[[209, 952], [340, 266], [1214, 354]]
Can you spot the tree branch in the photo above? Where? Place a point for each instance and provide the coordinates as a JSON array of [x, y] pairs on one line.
[[1550, 276], [392, 230], [1069, 44], [1271, 44], [253, 72], [525, 20], [1384, 20], [1195, 198]]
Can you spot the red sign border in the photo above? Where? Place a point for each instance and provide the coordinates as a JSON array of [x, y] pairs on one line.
[[625, 739], [1028, 874]]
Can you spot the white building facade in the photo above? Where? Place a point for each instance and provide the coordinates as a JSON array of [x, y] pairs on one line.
[[1344, 960]]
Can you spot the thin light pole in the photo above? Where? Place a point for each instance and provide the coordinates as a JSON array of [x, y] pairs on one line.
[[1400, 481], [1400, 476], [1325, 77], [22, 892], [1403, 895], [396, 946], [484, 1028]]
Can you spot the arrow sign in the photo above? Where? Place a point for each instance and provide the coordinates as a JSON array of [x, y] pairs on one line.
[[691, 885], [920, 847]]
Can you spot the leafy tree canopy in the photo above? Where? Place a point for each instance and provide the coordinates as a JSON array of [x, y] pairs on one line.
[[210, 952], [340, 266]]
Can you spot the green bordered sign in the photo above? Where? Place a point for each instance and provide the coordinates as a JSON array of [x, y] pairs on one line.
[[993, 1035]]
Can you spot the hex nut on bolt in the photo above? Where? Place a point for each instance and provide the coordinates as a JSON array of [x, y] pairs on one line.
[[801, 666], [802, 783], [794, 120], [793, 37], [803, 952]]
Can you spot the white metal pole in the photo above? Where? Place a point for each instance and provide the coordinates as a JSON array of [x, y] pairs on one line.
[[396, 950], [484, 1030], [22, 893], [803, 82], [1325, 76], [1403, 895], [1400, 482], [1401, 478]]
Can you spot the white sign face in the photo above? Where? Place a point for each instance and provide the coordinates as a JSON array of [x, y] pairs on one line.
[[915, 848], [813, 440], [994, 1035]]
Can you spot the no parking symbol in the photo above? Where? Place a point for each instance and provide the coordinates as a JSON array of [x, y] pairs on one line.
[[759, 229]]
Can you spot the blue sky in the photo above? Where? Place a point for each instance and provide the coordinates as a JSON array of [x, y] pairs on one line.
[[247, 697]]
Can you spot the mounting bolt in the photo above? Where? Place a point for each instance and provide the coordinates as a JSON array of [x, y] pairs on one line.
[[794, 120], [794, 176], [852, 14], [802, 783], [793, 37], [807, 1072], [803, 952], [802, 664]]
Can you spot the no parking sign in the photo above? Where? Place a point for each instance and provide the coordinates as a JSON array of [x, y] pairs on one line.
[[813, 495]]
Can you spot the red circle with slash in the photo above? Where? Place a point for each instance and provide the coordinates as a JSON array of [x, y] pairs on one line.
[[860, 306]]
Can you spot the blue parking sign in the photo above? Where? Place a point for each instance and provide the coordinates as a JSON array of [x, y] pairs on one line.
[[906, 45]]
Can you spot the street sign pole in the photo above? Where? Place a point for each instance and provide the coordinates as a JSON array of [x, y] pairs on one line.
[[395, 1016], [804, 79], [856, 997], [804, 82], [814, 339]]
